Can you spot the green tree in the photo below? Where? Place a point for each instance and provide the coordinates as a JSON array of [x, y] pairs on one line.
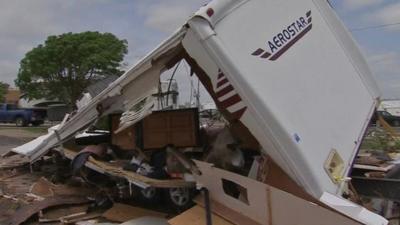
[[3, 91], [66, 64]]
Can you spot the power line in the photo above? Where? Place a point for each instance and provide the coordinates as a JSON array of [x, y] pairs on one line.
[[375, 27]]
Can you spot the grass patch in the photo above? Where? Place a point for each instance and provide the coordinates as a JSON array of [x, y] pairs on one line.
[[35, 130]]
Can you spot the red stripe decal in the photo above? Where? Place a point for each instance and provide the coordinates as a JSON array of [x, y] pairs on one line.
[[230, 101], [290, 44], [257, 52], [220, 75], [222, 82], [265, 55], [224, 91], [238, 114]]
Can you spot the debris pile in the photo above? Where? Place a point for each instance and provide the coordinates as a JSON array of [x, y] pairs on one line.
[[30, 197], [376, 173]]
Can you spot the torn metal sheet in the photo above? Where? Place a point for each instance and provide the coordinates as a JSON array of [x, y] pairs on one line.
[[36, 143], [136, 113], [130, 87]]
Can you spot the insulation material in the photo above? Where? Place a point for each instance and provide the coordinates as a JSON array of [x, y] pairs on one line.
[[262, 203], [140, 110]]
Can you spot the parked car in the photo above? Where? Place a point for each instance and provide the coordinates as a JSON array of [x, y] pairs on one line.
[[391, 119], [10, 113]]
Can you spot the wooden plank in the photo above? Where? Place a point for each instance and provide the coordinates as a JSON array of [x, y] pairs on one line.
[[197, 216], [13, 161], [124, 139], [381, 168], [386, 126], [226, 213], [121, 213]]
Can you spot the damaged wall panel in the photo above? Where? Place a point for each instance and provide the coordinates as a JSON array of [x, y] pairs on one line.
[[264, 204], [177, 127]]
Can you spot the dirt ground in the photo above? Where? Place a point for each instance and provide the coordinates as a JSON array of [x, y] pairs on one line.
[[11, 136]]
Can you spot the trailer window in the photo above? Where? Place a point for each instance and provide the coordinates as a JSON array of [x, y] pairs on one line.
[[235, 191]]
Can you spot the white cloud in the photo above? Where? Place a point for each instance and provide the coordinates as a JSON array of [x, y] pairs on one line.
[[169, 16], [8, 69], [386, 62], [358, 4], [388, 15], [386, 67], [24, 24]]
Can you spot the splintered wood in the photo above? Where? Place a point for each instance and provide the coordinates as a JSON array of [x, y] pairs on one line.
[[25, 212], [115, 169], [13, 161]]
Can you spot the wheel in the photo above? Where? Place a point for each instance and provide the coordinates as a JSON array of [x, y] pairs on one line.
[[20, 122], [149, 195], [180, 198]]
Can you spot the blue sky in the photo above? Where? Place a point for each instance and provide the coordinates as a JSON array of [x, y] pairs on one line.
[[144, 23]]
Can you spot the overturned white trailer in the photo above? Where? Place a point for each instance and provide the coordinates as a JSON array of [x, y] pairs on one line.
[[284, 70]]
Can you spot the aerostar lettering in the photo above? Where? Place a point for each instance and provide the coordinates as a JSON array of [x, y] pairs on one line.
[[285, 39], [287, 34]]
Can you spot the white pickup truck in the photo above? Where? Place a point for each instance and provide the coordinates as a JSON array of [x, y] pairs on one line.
[[266, 63]]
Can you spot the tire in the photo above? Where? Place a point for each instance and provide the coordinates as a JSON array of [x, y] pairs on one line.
[[149, 195], [179, 198], [20, 122]]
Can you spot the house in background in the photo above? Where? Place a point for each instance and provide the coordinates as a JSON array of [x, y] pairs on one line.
[[24, 102], [12, 96]]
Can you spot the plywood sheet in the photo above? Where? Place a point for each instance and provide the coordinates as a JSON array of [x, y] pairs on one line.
[[177, 127], [124, 139], [197, 216], [122, 212]]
